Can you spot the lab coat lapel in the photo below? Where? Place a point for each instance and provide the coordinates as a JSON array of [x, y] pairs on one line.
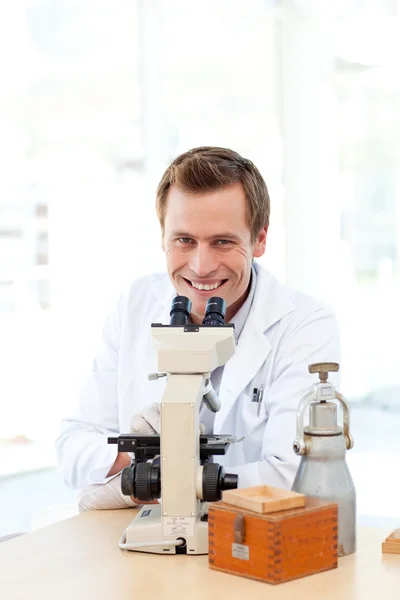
[[251, 352], [271, 303]]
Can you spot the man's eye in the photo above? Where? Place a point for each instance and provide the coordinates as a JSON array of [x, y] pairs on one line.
[[184, 240], [223, 242]]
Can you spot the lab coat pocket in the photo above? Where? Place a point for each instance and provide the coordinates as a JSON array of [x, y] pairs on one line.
[[252, 418], [253, 410]]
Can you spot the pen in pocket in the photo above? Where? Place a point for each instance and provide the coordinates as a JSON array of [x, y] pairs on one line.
[[257, 397]]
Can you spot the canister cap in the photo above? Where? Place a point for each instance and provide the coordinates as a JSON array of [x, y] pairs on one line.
[[323, 419], [323, 369]]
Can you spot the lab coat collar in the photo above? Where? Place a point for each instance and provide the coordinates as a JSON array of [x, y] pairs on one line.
[[271, 300]]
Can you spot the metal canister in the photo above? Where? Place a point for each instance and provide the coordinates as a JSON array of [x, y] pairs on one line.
[[323, 471]]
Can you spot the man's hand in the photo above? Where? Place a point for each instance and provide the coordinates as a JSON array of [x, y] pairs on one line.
[[123, 460], [148, 421]]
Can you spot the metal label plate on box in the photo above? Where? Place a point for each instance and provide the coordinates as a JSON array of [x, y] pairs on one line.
[[178, 526], [240, 551]]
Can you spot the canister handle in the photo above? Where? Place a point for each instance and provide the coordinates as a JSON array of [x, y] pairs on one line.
[[346, 421], [299, 444]]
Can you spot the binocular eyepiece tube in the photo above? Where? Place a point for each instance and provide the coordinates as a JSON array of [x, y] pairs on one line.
[[214, 314], [180, 310]]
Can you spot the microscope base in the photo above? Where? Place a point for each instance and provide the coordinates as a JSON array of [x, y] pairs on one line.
[[149, 526]]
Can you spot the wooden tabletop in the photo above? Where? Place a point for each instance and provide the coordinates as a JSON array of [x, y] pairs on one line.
[[79, 559]]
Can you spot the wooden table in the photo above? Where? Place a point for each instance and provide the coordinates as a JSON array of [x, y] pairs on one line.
[[79, 559]]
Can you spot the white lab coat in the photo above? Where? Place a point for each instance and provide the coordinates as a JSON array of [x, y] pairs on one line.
[[285, 332]]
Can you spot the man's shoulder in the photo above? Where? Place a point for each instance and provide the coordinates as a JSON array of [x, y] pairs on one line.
[[150, 283], [303, 301], [143, 300], [150, 290], [290, 301]]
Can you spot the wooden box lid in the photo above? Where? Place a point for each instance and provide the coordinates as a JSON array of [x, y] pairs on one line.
[[263, 498], [311, 505]]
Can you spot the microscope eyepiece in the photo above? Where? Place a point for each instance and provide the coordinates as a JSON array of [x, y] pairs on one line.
[[180, 310], [215, 312]]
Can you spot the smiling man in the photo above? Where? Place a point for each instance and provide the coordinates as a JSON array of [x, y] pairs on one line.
[[213, 207], [208, 245]]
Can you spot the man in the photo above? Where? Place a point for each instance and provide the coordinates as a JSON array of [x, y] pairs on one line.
[[214, 208]]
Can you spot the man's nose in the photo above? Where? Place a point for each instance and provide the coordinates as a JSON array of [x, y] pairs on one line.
[[203, 261]]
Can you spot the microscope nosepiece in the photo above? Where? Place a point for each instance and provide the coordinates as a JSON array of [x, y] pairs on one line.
[[210, 398]]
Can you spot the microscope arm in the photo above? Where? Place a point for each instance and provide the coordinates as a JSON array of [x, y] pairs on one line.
[[180, 445]]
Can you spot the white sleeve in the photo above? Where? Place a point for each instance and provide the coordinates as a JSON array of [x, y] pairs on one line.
[[106, 496], [82, 450], [314, 339]]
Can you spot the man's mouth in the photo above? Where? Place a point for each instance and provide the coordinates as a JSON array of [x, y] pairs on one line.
[[207, 287]]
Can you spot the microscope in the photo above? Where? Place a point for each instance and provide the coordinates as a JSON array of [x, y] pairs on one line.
[[177, 466]]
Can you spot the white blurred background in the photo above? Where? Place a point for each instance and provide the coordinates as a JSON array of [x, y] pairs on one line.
[[98, 96]]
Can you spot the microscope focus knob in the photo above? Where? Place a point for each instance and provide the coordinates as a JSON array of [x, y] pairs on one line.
[[141, 480], [147, 482], [127, 481], [215, 481], [211, 478]]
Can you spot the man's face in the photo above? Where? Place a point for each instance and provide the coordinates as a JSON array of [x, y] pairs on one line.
[[208, 247]]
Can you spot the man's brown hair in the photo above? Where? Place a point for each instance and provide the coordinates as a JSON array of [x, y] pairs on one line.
[[207, 169]]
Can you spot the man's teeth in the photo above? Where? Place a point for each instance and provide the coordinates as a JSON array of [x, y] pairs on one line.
[[206, 286]]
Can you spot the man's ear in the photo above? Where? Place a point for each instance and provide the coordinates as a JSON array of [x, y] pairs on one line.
[[162, 242], [260, 243]]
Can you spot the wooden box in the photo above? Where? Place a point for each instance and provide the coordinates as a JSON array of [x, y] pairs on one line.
[[276, 546], [391, 545]]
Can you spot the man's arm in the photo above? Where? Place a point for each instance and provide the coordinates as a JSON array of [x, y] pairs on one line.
[[313, 339], [82, 450], [122, 461]]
